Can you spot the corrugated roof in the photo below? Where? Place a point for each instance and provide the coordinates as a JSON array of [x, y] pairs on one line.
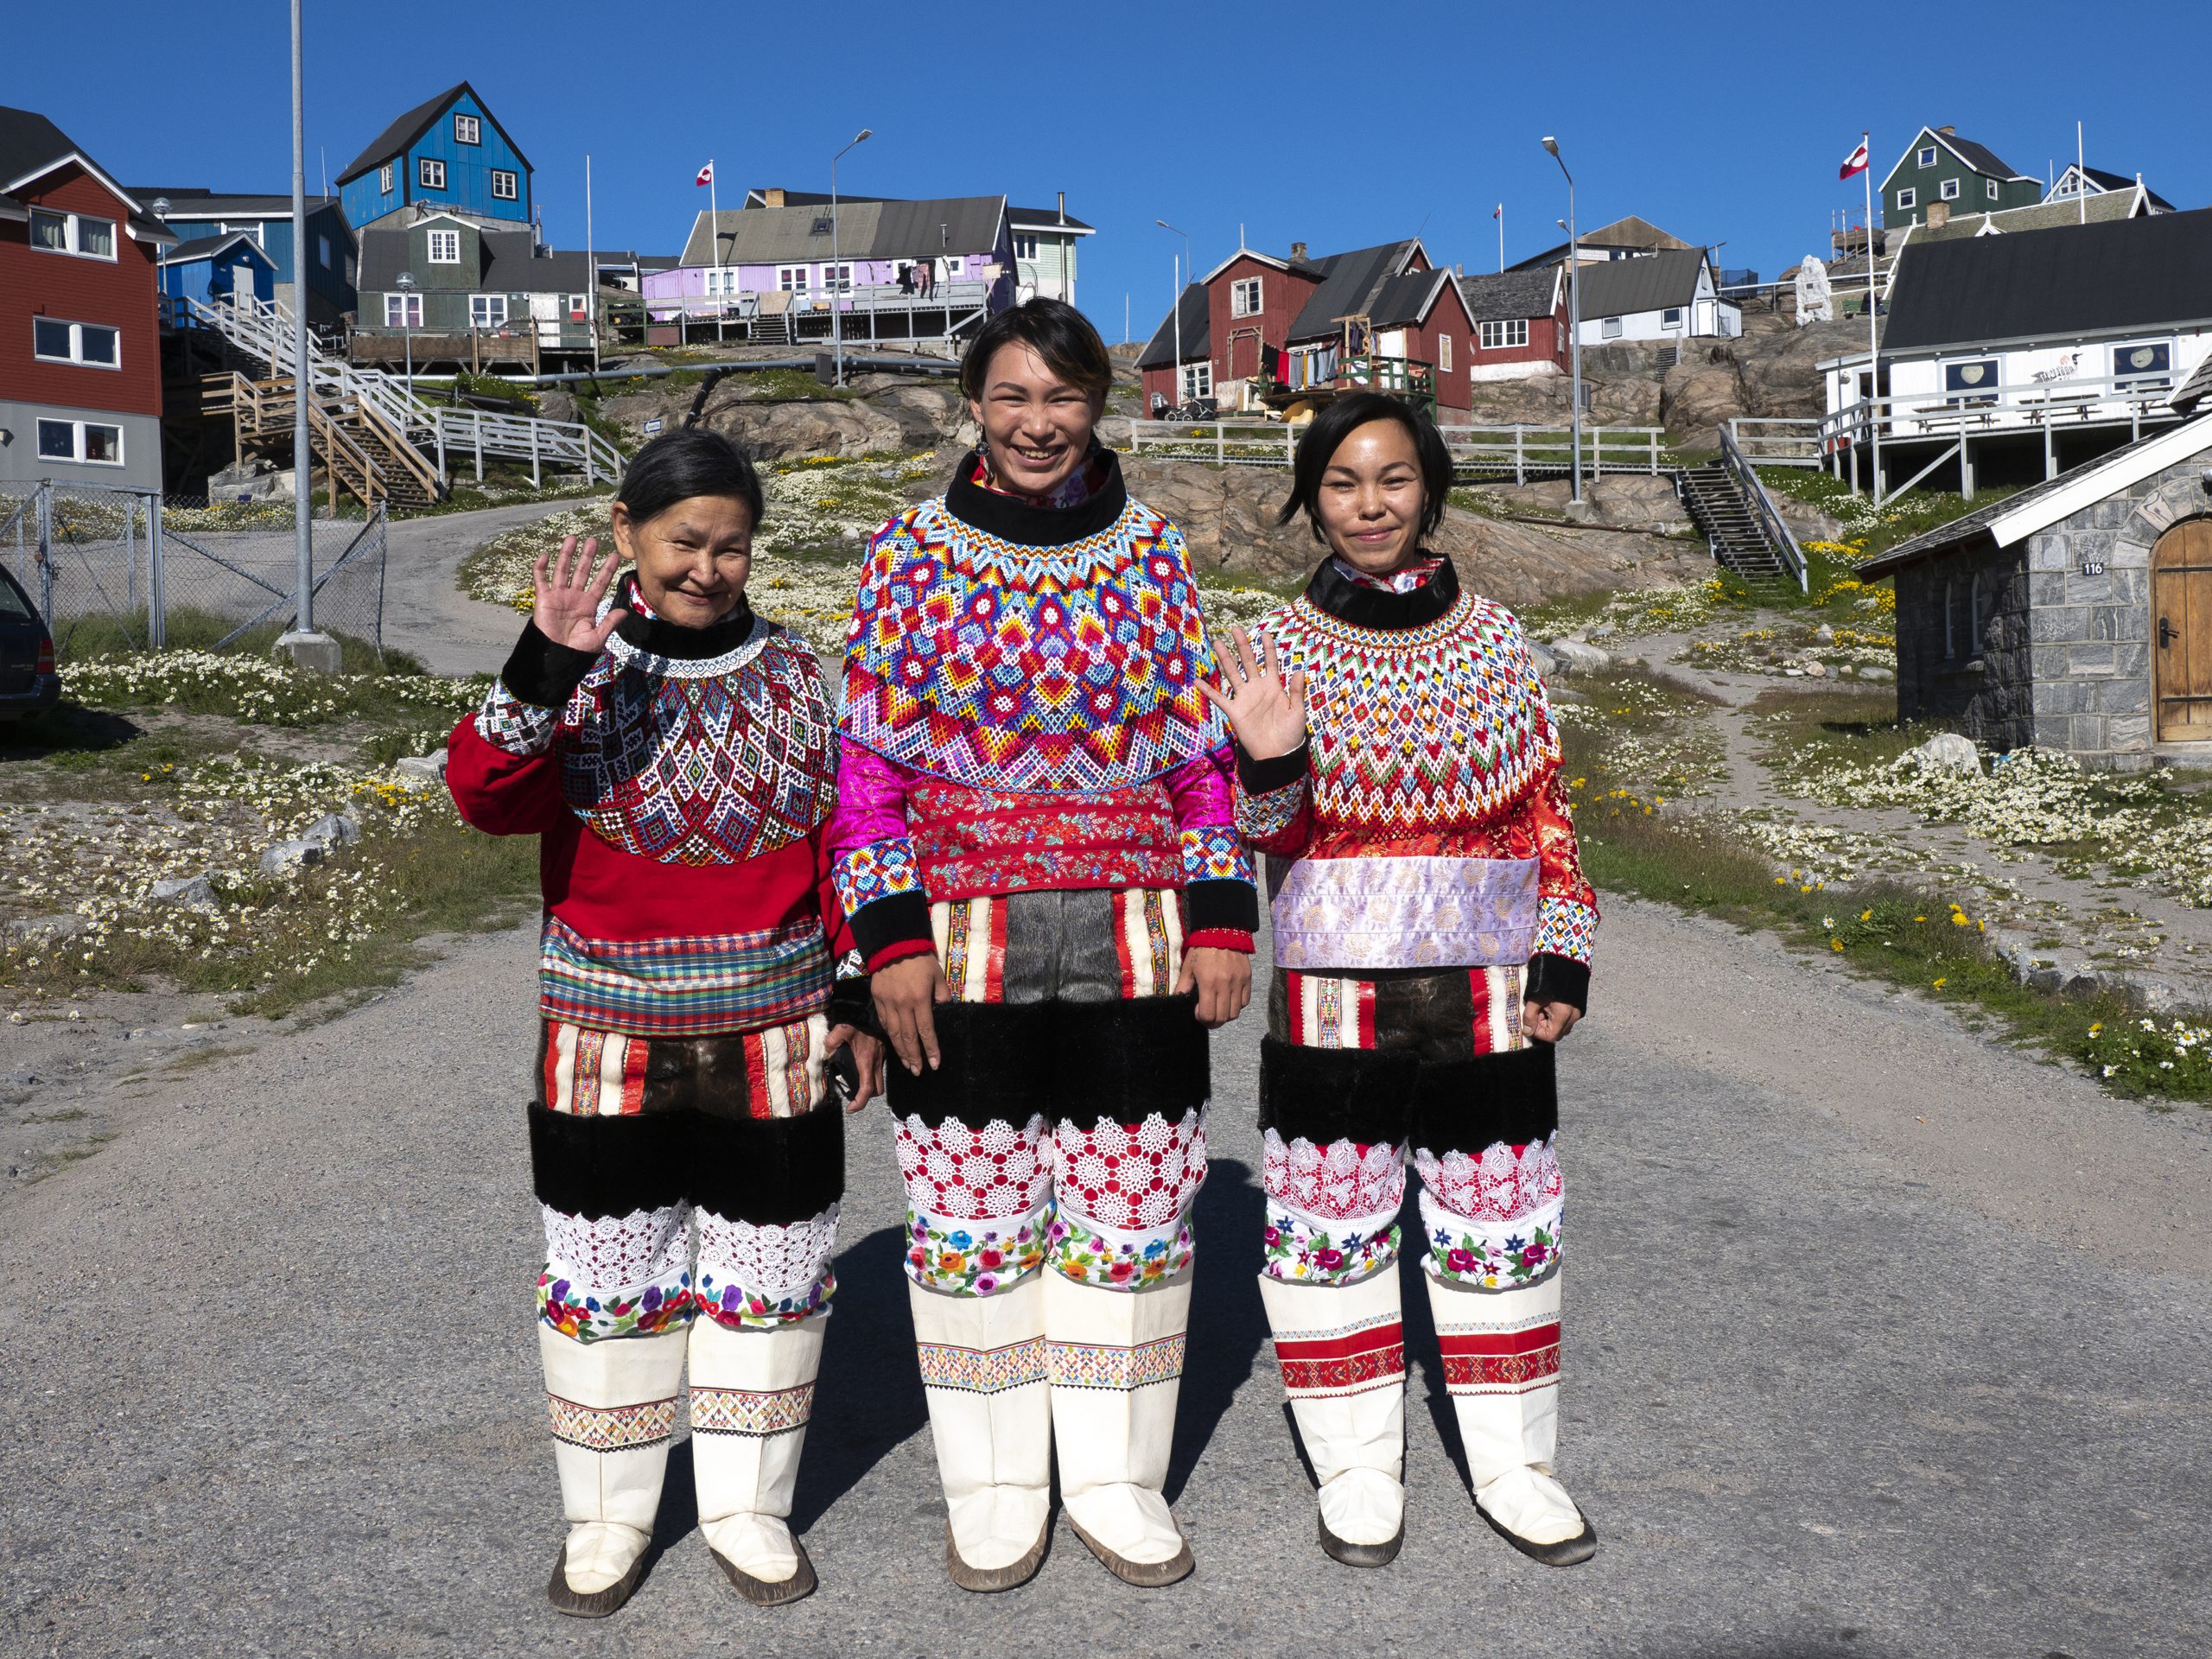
[[2151, 272], [508, 265], [1508, 295], [1348, 284], [1650, 282], [1404, 299], [866, 229], [1197, 324]]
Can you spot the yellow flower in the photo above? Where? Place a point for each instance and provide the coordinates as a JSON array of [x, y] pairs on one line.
[[1942, 982], [1867, 914], [1920, 919], [1835, 944]]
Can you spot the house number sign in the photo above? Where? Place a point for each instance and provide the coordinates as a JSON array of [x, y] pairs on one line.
[[2092, 567]]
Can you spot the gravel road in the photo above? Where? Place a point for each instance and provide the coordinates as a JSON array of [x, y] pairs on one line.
[[425, 613], [1881, 1340]]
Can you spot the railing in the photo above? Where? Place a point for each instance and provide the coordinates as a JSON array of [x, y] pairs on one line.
[[260, 407], [2062, 401], [563, 443], [741, 304], [1763, 508], [1522, 449], [1777, 440]]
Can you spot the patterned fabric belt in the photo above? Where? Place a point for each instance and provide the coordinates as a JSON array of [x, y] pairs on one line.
[[704, 983], [1403, 912]]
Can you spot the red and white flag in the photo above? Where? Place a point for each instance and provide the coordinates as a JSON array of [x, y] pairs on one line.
[[1497, 210], [1855, 163], [707, 173]]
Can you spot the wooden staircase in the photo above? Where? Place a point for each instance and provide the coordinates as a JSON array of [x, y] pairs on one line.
[[261, 414], [1739, 537]]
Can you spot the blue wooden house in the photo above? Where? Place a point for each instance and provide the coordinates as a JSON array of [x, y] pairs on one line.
[[195, 212], [449, 155], [228, 268]]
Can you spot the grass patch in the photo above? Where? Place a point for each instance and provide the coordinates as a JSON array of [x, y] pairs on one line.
[[1805, 728]]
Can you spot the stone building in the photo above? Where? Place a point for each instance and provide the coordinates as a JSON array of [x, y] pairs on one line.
[[2076, 616]]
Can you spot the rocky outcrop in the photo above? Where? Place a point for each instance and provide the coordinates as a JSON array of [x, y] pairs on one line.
[[847, 429]]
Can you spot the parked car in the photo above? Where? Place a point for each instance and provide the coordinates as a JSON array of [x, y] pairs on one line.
[[29, 684]]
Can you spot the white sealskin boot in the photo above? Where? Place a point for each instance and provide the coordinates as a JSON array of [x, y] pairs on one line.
[[1501, 1367], [613, 1410], [982, 1361], [752, 1396], [1343, 1354], [1115, 1359]]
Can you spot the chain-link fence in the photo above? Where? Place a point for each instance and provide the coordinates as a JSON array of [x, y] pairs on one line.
[[123, 570]]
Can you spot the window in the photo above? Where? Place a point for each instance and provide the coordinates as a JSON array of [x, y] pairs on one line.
[[467, 129], [322, 250], [1504, 336], [837, 278], [793, 279], [1926, 158], [403, 310], [431, 175], [506, 186], [1949, 190], [1611, 330], [89, 238], [55, 341], [1989, 188], [1443, 353], [1671, 317], [93, 442], [1908, 198], [1973, 381], [1244, 298], [1198, 380], [384, 178], [1025, 246], [445, 247], [2142, 366], [487, 310], [722, 280], [577, 311]]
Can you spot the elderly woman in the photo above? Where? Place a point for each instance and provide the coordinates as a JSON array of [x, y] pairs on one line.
[[1396, 760], [675, 756], [1035, 844]]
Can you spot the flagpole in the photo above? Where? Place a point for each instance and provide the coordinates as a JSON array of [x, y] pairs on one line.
[[1501, 238], [1873, 339], [591, 256], [714, 230]]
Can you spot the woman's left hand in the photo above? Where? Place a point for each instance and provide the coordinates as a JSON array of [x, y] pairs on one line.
[[1222, 980], [868, 1056], [1549, 1022]]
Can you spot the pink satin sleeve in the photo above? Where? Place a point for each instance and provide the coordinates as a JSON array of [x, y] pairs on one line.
[[871, 800]]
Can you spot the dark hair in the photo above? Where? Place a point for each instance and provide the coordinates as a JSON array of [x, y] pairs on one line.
[[676, 466], [1337, 422], [1053, 329]]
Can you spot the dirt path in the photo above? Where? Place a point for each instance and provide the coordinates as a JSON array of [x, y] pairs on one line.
[[425, 613]]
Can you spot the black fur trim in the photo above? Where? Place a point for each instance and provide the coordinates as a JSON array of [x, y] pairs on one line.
[[1223, 904], [1336, 1094], [996, 1060], [1558, 979], [850, 1005], [543, 673], [1127, 1059], [1260, 776], [1466, 1105], [1337, 594], [1012, 519], [886, 922], [593, 1166], [769, 1170]]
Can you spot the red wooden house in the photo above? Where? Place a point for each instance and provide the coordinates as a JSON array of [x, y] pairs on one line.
[[1258, 331], [1520, 323], [80, 361]]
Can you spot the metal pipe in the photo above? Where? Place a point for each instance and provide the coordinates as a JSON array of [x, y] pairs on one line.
[[929, 366]]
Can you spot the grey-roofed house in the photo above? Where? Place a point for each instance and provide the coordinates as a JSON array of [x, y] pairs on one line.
[[1670, 294], [1624, 238], [1520, 322], [900, 269], [2094, 181], [1184, 337], [1940, 169], [1944, 226], [477, 297], [2074, 615], [1045, 241], [333, 250]]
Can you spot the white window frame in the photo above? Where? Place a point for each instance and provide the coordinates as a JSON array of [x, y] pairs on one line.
[[383, 179], [77, 455], [76, 354], [1610, 329], [466, 129], [511, 180], [403, 310], [1990, 188], [1024, 246], [1247, 297], [72, 234], [448, 241], [1947, 190], [1197, 381], [1509, 333], [424, 177], [1443, 353], [579, 307], [1926, 157], [722, 280], [838, 279], [2127, 378], [795, 279], [1671, 317], [322, 249], [480, 309], [1908, 198]]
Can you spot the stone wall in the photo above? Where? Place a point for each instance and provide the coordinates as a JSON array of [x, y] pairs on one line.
[[1976, 674]]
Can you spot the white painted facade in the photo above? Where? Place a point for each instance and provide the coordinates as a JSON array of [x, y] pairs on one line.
[[1705, 317], [2015, 385]]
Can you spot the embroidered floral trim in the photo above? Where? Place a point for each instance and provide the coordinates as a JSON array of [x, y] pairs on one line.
[[1491, 1255], [878, 870], [1305, 1249], [982, 1370], [572, 1311], [1263, 817], [1213, 853], [1344, 1180], [612, 1428], [740, 1411], [973, 1258], [1106, 1365], [759, 1275], [507, 723], [1090, 1252], [616, 1275]]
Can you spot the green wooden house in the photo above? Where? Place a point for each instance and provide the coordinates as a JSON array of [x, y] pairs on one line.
[[470, 296], [1939, 166]]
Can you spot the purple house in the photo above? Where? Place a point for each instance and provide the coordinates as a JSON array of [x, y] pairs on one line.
[[900, 269]]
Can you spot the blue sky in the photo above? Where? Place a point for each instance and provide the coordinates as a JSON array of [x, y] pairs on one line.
[[1336, 126]]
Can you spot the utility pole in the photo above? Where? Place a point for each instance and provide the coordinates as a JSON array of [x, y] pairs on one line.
[[1573, 312], [837, 283], [317, 652]]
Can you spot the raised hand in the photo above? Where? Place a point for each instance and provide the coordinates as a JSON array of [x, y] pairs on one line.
[[569, 593], [1264, 709]]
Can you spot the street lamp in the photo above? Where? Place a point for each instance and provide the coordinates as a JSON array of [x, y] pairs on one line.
[[837, 283], [405, 282], [1573, 312], [1177, 302], [305, 644]]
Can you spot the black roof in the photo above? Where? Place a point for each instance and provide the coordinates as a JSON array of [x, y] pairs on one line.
[[2097, 175], [1405, 298], [413, 124], [1349, 283], [1160, 350], [1650, 281], [1509, 294], [191, 202], [29, 142], [200, 246], [2148, 272], [1045, 218], [1980, 157]]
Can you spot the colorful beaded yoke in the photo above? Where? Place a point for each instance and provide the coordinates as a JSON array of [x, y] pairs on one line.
[[1043, 670]]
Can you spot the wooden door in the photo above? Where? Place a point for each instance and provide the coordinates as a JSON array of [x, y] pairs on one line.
[[2181, 632]]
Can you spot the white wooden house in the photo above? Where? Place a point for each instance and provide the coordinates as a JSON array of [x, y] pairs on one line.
[[1670, 294]]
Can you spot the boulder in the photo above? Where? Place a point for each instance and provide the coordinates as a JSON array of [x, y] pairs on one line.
[[1880, 675], [1578, 657], [1547, 664], [1824, 634], [847, 429], [432, 766], [558, 403], [331, 830], [1815, 670], [190, 893], [930, 414], [290, 855], [1699, 393], [1948, 752]]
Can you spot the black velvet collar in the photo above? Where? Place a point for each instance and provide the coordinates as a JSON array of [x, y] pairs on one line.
[[1012, 519], [675, 641], [1362, 606]]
